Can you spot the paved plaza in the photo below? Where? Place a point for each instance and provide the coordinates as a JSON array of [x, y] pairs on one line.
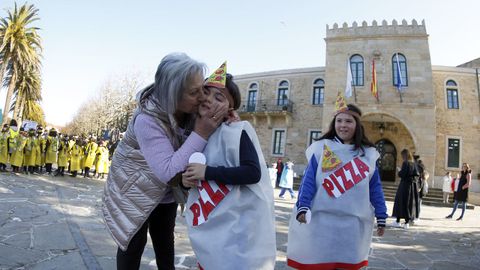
[[55, 223]]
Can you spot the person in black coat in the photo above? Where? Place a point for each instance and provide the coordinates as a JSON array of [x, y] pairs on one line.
[[420, 184], [405, 205]]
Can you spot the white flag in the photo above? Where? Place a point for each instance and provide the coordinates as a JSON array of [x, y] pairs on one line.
[[399, 75], [348, 87]]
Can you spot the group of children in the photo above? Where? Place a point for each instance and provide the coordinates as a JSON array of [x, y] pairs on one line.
[[29, 151]]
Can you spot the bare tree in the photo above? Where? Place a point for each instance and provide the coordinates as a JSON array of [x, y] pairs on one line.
[[110, 110]]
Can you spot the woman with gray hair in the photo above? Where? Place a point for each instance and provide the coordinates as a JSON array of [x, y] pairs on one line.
[[162, 134]]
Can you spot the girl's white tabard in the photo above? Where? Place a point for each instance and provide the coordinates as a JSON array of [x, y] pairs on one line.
[[232, 227]]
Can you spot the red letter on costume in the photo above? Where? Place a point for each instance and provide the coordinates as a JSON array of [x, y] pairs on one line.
[[346, 182], [328, 185], [223, 188], [196, 213], [356, 177], [216, 196], [207, 207], [339, 187], [362, 167]]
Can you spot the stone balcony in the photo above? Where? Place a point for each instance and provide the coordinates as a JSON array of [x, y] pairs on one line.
[[267, 108]]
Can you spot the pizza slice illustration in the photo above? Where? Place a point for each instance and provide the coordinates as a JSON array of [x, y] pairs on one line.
[[330, 161]]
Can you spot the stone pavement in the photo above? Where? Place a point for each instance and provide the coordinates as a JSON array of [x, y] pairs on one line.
[[56, 223]]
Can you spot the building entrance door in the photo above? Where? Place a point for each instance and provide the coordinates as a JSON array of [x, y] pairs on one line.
[[388, 159]]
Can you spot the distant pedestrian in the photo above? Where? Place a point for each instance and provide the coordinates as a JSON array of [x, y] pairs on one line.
[[461, 191], [279, 170], [405, 203], [447, 187], [419, 184], [273, 174], [286, 180]]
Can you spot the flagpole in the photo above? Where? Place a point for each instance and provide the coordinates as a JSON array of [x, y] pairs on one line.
[[373, 84], [355, 92], [399, 78]]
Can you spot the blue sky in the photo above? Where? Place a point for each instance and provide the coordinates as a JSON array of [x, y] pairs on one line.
[[89, 42]]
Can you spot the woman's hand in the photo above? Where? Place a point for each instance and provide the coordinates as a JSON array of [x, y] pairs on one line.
[[207, 123], [194, 172], [465, 186], [301, 218], [188, 183], [380, 231], [232, 116]]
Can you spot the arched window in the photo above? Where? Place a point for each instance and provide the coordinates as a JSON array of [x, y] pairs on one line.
[[452, 94], [282, 97], [399, 62], [252, 97], [356, 65], [318, 92]]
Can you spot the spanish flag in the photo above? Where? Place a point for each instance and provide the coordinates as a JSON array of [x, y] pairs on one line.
[[373, 85]]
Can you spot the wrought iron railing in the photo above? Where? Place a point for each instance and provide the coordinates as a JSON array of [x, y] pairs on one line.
[[266, 105]]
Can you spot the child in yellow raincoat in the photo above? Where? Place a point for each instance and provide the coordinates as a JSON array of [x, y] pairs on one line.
[[70, 144], [90, 155], [62, 157], [101, 166], [17, 156], [32, 148], [40, 159], [51, 150], [83, 156], [75, 158], [4, 148], [12, 138]]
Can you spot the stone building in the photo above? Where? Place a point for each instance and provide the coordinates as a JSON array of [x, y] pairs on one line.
[[434, 114]]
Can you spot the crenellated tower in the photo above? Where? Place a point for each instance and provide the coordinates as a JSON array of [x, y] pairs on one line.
[[366, 31], [381, 43]]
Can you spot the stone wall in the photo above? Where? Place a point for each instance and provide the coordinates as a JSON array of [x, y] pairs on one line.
[[462, 123], [305, 116]]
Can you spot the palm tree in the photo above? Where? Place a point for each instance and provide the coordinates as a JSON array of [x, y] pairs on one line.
[[20, 47], [33, 111], [27, 87]]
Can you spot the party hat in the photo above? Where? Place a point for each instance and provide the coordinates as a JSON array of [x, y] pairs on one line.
[[219, 77], [340, 103]]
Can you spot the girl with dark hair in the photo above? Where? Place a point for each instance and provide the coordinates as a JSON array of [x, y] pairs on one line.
[[233, 202], [338, 199], [406, 199], [461, 191], [355, 136]]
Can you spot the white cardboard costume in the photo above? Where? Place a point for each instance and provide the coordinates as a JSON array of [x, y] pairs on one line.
[[342, 218], [232, 226]]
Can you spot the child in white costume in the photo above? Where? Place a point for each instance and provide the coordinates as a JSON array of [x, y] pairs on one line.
[[341, 193], [273, 174], [230, 217]]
